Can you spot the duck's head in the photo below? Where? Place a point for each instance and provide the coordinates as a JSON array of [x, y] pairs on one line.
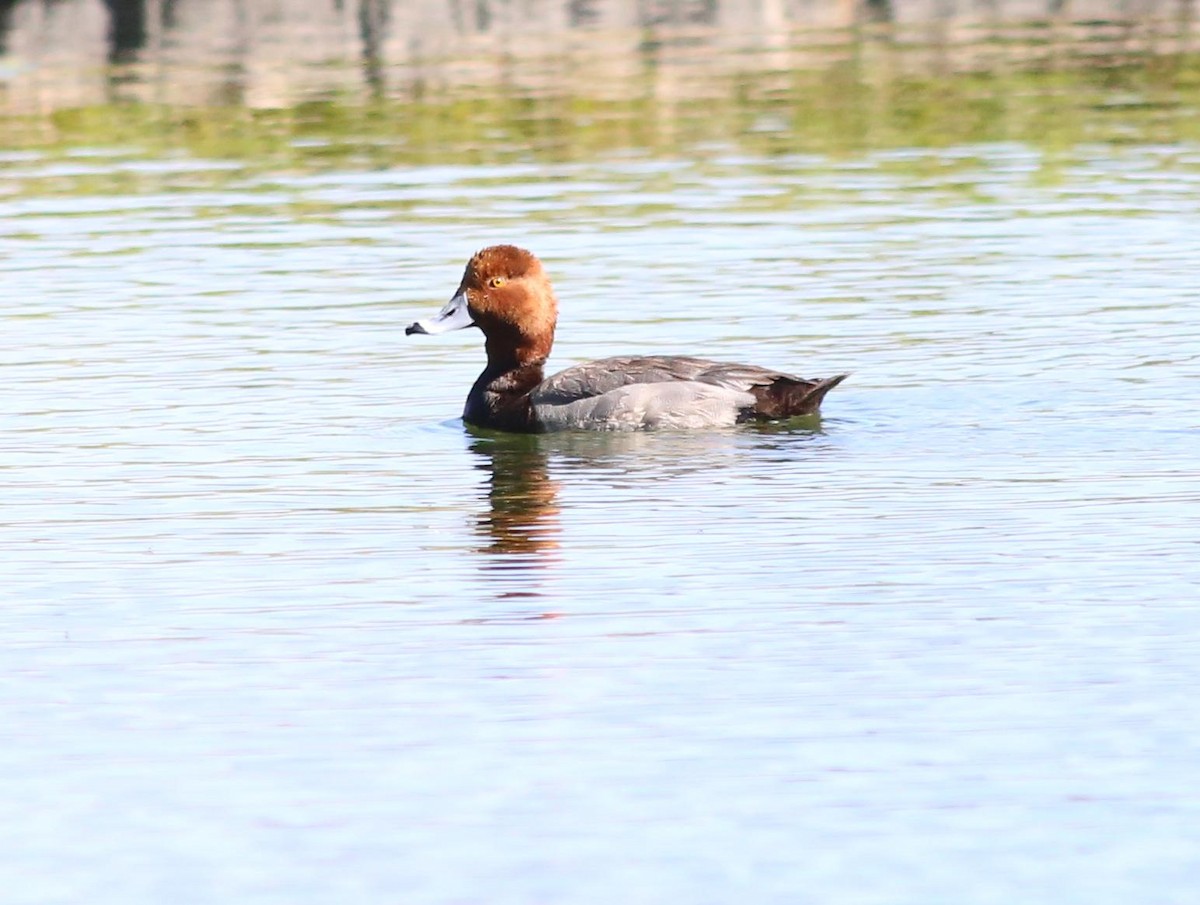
[[506, 294]]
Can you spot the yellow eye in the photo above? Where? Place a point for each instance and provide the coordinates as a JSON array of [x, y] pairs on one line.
[[497, 282]]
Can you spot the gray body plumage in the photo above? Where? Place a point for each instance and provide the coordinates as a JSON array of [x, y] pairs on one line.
[[650, 392]]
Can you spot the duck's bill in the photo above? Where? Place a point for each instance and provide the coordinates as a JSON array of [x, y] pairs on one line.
[[455, 316]]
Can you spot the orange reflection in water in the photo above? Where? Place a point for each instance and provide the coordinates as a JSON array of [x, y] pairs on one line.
[[520, 526]]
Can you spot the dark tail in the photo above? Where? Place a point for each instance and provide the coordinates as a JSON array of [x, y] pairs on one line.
[[789, 397], [810, 403]]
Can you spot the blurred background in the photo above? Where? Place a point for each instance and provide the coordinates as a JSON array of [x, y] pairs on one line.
[[277, 628], [572, 78]]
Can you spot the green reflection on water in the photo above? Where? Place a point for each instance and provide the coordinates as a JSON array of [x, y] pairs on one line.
[[869, 100]]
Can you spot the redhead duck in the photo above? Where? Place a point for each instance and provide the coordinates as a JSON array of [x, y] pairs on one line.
[[506, 294]]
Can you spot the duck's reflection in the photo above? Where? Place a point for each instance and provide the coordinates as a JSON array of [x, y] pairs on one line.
[[519, 527], [519, 523]]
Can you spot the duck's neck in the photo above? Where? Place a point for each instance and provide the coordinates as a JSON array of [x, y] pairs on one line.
[[500, 396]]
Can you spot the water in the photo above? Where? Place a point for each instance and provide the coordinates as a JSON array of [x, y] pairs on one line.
[[278, 628]]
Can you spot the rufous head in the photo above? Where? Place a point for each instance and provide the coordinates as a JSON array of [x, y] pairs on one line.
[[506, 294]]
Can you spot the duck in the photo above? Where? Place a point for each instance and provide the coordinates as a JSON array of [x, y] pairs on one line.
[[506, 294]]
